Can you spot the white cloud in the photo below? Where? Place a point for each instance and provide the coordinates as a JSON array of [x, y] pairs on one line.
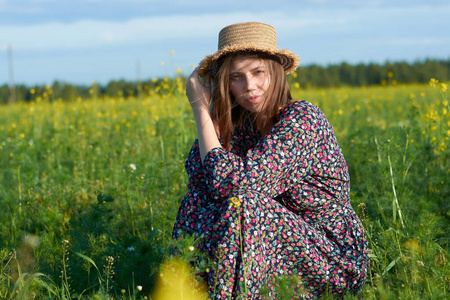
[[102, 49], [91, 33]]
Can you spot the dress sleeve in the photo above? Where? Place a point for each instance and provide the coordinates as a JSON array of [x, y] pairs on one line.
[[194, 168], [280, 159]]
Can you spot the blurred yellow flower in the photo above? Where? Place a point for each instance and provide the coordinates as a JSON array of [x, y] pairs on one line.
[[175, 281], [412, 245], [433, 82]]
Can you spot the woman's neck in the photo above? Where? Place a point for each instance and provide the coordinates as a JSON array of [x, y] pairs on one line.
[[265, 130]]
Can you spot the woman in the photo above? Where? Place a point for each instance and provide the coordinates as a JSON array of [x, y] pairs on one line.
[[268, 184]]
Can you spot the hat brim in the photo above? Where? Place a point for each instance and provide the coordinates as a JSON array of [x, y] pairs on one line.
[[286, 58]]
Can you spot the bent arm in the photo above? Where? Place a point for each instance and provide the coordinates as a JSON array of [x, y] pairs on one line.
[[199, 96], [207, 137]]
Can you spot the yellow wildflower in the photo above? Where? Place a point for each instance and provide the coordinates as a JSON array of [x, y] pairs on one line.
[[412, 245], [235, 202], [433, 82]]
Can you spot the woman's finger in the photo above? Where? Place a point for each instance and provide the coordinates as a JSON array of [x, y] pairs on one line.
[[195, 73]]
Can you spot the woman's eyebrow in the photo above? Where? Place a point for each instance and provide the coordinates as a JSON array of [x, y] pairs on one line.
[[251, 70], [234, 73], [259, 68]]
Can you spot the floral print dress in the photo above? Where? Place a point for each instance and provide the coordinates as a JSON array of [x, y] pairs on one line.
[[273, 206]]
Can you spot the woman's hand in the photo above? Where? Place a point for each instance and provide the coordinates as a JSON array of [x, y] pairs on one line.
[[198, 93]]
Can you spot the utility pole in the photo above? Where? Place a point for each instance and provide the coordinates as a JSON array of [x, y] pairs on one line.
[[12, 87], [138, 74]]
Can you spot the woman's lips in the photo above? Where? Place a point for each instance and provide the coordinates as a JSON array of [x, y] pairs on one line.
[[253, 99]]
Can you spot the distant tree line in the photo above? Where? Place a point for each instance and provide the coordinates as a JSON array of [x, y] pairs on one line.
[[343, 74]]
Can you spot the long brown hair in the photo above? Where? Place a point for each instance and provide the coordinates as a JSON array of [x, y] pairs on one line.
[[228, 114]]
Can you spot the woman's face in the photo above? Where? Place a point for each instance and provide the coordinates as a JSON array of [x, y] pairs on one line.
[[249, 81]]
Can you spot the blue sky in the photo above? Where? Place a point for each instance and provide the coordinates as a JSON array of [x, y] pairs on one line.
[[78, 41]]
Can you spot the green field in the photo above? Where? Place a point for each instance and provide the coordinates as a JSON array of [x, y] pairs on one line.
[[89, 189]]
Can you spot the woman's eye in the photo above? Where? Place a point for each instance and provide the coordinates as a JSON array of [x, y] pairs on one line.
[[235, 77]]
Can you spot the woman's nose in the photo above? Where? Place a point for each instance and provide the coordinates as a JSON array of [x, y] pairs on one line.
[[250, 82]]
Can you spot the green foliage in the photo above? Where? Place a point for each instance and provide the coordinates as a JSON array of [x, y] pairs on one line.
[[309, 76], [90, 189]]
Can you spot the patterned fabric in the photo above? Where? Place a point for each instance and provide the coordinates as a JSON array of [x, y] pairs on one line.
[[273, 206]]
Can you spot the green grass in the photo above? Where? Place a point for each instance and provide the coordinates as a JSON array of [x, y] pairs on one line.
[[89, 190]]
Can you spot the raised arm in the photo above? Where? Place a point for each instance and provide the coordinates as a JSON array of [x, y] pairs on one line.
[[199, 95]]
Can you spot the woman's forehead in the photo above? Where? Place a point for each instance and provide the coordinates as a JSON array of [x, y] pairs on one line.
[[246, 62]]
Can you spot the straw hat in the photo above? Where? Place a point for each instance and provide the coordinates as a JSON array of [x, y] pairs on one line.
[[251, 37]]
